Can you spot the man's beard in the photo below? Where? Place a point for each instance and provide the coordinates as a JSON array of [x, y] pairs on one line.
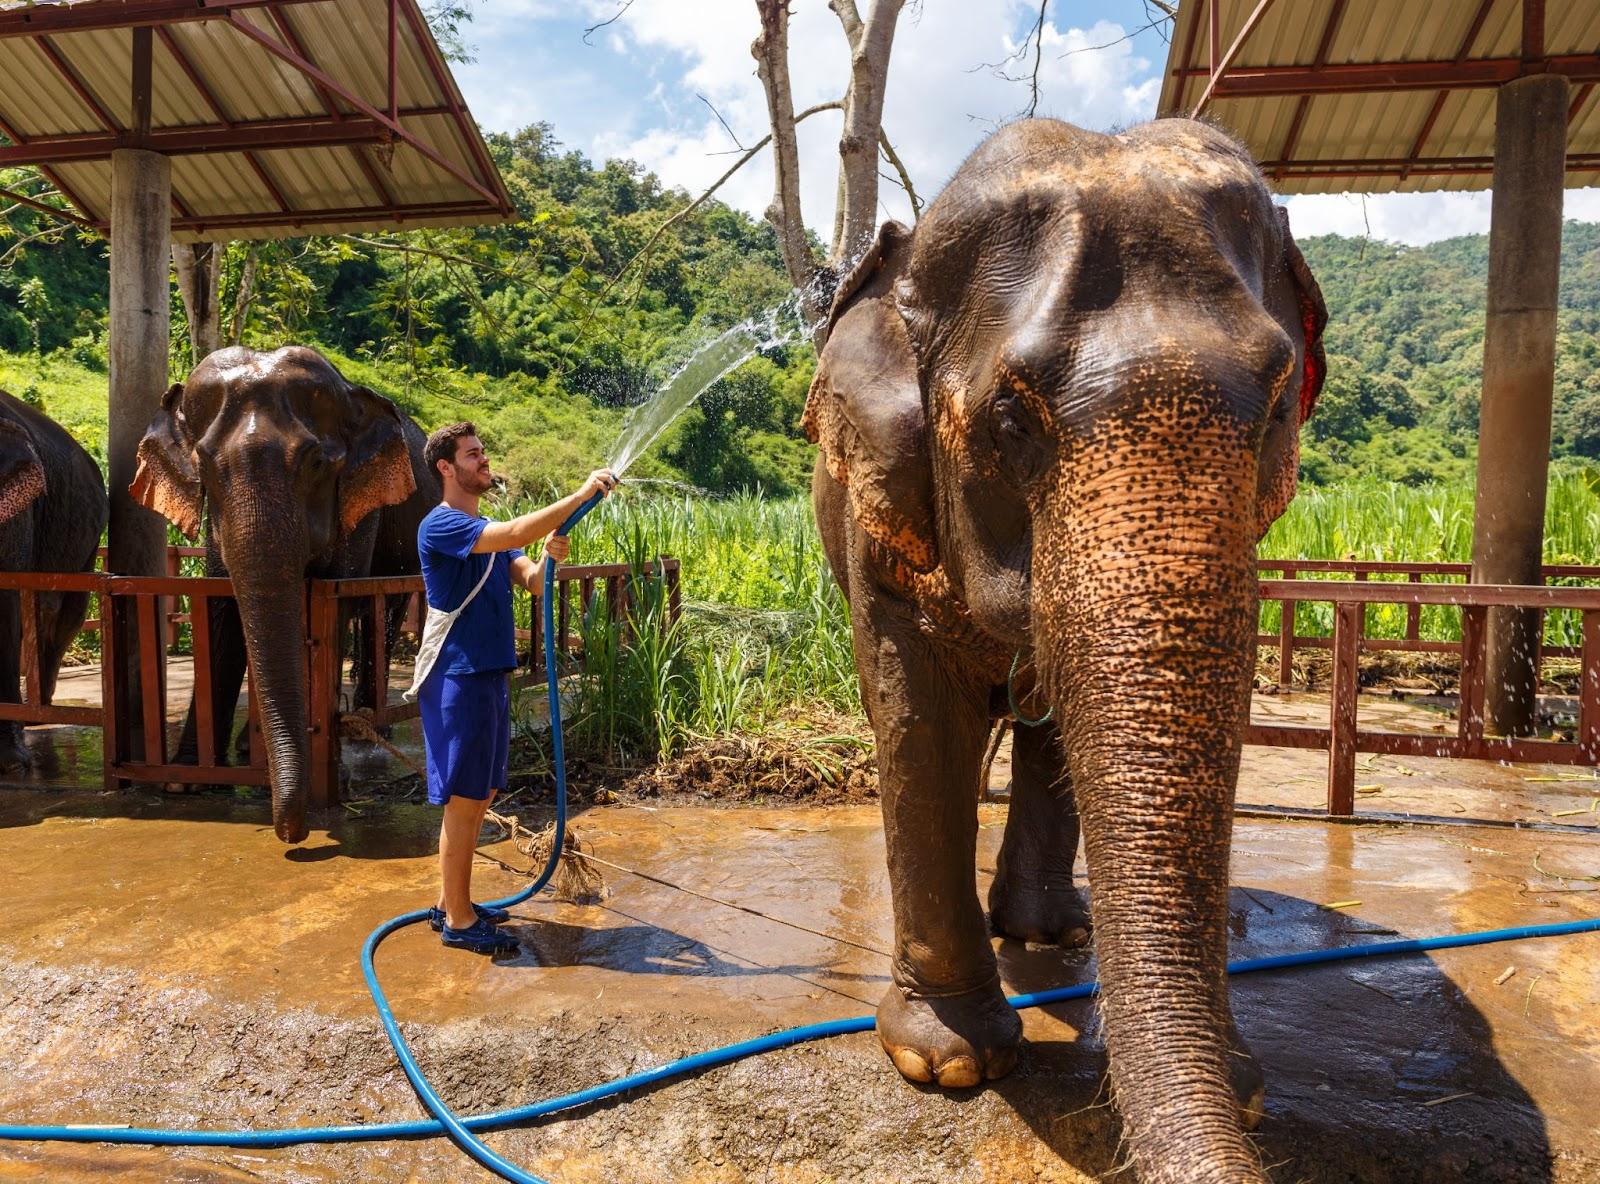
[[475, 480]]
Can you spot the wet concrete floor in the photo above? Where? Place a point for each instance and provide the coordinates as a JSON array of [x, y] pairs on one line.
[[167, 962]]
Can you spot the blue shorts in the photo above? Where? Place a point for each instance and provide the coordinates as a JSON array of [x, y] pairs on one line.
[[466, 728]]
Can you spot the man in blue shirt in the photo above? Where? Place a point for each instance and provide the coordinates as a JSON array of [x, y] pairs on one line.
[[466, 715]]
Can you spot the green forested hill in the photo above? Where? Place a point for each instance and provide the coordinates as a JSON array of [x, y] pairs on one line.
[[528, 329], [1405, 356]]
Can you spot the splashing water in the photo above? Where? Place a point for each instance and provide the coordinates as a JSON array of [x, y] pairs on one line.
[[712, 361]]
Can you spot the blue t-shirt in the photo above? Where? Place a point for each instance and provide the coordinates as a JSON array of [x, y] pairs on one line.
[[483, 639]]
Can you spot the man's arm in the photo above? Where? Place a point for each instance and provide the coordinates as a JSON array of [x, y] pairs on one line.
[[523, 530], [530, 572]]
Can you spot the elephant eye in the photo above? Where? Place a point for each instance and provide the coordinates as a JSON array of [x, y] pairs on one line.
[[1021, 452]]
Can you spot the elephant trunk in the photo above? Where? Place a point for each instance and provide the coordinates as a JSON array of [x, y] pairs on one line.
[[1145, 630], [267, 564]]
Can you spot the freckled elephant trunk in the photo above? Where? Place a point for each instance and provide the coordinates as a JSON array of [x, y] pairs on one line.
[[1145, 627], [268, 581]]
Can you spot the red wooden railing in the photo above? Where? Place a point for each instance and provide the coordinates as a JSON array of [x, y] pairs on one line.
[[141, 611], [1343, 738], [1287, 640]]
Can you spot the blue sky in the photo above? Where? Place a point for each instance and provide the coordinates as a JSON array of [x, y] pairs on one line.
[[635, 88]]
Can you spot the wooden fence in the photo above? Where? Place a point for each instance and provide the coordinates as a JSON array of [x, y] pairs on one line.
[[145, 611]]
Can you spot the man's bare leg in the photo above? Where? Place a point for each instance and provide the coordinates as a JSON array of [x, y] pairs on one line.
[[458, 840]]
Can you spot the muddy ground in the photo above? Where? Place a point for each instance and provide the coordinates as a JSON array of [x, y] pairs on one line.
[[166, 961]]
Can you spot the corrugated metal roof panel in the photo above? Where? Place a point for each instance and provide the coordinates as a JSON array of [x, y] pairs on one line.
[[348, 186], [1365, 131]]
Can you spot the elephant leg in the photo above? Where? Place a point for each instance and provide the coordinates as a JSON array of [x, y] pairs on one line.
[[944, 1017], [1033, 897], [228, 665], [60, 618], [13, 756]]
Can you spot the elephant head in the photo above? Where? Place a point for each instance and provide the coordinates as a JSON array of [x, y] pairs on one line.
[[21, 471], [1065, 409], [290, 459]]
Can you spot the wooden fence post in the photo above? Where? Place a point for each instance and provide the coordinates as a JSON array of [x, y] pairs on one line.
[[1347, 621], [1469, 716], [111, 715], [1589, 691], [1286, 637]]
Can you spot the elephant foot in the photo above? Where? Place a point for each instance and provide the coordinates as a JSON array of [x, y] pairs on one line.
[[957, 1041], [1044, 912], [1249, 1086]]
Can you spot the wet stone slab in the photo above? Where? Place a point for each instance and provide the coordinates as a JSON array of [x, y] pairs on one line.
[[167, 962]]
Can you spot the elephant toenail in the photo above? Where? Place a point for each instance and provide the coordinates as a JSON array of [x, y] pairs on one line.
[[1001, 1063], [959, 1073], [911, 1064], [1077, 938]]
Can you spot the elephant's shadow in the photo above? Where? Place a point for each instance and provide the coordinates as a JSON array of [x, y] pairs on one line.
[[1353, 1053]]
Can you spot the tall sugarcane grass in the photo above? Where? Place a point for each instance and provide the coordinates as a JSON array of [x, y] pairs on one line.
[[765, 630]]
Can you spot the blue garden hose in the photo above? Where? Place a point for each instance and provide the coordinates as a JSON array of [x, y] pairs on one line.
[[463, 1131]]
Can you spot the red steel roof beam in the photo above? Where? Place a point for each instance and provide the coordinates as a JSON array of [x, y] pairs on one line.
[[45, 207], [76, 82], [1379, 77], [203, 88], [1390, 168], [1533, 35], [313, 71], [1188, 59], [81, 18], [291, 37], [1219, 68], [343, 214], [266, 135], [84, 208], [441, 76], [1329, 31], [1438, 101]]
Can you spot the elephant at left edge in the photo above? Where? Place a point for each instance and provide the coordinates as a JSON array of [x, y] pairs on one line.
[[53, 509]]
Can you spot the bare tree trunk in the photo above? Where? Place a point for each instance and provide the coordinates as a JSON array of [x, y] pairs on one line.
[[199, 267], [771, 51], [246, 294], [870, 44]]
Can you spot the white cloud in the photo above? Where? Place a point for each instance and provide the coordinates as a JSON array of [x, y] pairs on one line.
[[941, 99], [1412, 218]]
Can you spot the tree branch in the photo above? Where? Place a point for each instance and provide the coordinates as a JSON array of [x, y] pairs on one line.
[[893, 158], [649, 245], [850, 17], [863, 120], [771, 51], [610, 20], [721, 120], [1038, 52]]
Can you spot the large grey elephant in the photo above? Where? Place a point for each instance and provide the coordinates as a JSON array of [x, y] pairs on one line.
[[52, 511], [1054, 422], [297, 473]]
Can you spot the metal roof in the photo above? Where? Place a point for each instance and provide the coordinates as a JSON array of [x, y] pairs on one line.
[[1380, 96], [280, 117]]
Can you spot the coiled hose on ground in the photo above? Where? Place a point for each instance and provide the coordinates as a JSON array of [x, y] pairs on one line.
[[464, 1131]]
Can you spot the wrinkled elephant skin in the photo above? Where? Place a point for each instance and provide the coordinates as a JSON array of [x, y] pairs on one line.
[[1053, 423], [296, 472], [52, 511]]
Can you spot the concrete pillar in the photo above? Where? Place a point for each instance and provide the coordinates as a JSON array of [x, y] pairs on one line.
[[141, 227], [1519, 350]]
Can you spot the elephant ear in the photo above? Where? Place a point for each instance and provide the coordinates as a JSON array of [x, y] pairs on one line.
[[865, 409], [22, 478], [1299, 307], [377, 469], [1313, 319], [167, 479]]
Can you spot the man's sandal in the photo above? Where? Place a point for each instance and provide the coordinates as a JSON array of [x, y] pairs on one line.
[[485, 913], [481, 937]]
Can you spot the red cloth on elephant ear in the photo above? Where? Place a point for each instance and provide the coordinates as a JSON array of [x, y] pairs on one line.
[[1313, 319]]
